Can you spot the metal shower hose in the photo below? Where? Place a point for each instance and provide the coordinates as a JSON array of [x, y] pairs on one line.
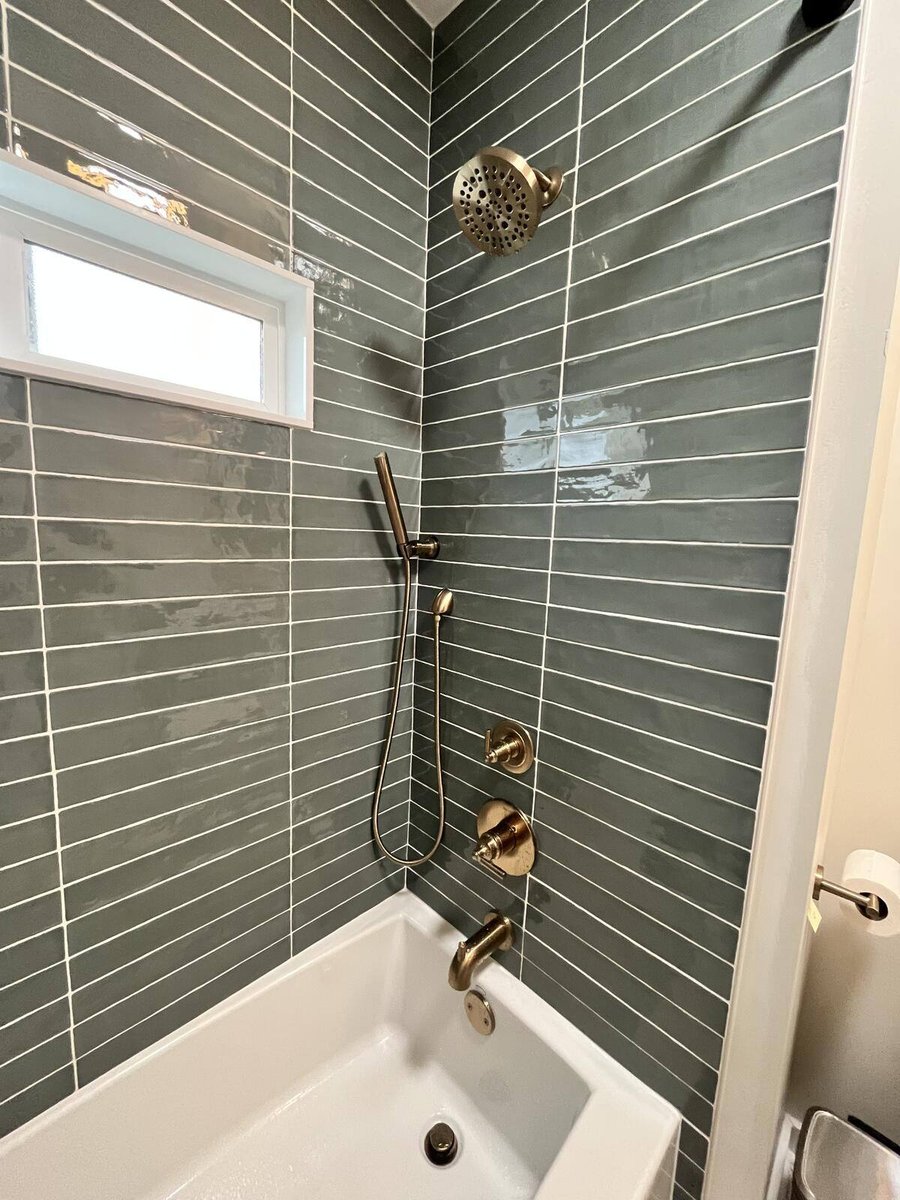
[[395, 702]]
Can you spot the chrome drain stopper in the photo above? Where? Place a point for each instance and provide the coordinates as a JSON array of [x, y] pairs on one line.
[[441, 1144]]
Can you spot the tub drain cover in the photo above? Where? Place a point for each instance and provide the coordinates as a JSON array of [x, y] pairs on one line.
[[441, 1144]]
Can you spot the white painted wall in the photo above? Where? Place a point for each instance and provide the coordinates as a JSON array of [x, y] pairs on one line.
[[847, 1053], [433, 11]]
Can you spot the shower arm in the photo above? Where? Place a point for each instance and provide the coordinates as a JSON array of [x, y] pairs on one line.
[[422, 547]]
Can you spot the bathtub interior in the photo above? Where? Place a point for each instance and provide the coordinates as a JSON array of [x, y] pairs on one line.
[[322, 1081]]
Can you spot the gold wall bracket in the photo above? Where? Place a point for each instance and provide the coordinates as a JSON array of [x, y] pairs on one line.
[[506, 843], [509, 745]]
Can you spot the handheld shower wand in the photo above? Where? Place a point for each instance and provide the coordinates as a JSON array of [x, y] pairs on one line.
[[427, 547]]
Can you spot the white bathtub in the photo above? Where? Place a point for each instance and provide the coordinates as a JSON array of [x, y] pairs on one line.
[[321, 1080]]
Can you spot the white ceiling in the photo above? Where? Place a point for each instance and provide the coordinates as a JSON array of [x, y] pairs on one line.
[[434, 11]]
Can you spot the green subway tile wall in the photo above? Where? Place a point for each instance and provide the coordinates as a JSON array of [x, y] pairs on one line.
[[614, 423], [209, 602], [198, 612]]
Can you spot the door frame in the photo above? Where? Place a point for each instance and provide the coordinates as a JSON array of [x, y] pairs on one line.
[[846, 400]]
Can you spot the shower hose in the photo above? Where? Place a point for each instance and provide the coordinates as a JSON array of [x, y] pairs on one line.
[[392, 721]]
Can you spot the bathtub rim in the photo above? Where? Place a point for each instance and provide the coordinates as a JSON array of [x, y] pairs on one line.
[[605, 1133]]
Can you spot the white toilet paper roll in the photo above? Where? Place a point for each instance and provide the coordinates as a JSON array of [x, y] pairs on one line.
[[870, 871]]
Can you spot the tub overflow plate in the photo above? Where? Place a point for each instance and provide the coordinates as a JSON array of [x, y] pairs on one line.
[[480, 1014]]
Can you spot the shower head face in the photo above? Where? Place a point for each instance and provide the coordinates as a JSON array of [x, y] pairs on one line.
[[498, 200]]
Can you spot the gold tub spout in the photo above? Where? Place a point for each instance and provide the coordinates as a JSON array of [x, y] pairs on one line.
[[495, 934]]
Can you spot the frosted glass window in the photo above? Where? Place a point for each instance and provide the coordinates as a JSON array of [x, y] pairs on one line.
[[90, 314]]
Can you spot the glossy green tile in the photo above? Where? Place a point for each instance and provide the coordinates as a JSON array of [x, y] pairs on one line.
[[745, 699], [778, 281], [126, 772], [770, 522], [13, 404], [40, 52], [760, 333], [731, 653]]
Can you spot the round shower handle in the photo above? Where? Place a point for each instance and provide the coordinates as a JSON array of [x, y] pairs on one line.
[[509, 745]]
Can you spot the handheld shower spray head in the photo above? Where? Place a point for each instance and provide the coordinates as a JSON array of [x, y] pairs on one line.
[[392, 501], [425, 547], [443, 604]]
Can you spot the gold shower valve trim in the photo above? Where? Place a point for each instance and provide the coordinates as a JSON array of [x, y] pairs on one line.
[[509, 746], [506, 844]]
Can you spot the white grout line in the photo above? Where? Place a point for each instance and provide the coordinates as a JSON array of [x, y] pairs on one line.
[[75, 881], [674, 158], [619, 967], [290, 622], [378, 883], [391, 230], [184, 965], [395, 132], [403, 33], [185, 904], [500, 279], [660, 251], [404, 362], [159, 883], [379, 47], [173, 744], [658, 31], [670, 929], [646, 1020], [139, 787], [434, 397], [113, 831], [345, 804], [225, 630], [353, 62], [618, 1032], [390, 387], [592, 431], [479, 15], [729, 273], [639, 946], [51, 745], [330, 302], [234, 966], [604, 754], [633, 837], [156, 949], [789, 48], [529, 303], [485, 78], [600, 683], [483, 46], [188, 447], [365, 844], [141, 83], [182, 10], [36, 1083], [100, 6]]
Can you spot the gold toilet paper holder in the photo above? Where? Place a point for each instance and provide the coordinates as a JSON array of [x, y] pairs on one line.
[[872, 907]]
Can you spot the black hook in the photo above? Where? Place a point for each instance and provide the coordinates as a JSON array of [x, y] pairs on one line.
[[817, 13]]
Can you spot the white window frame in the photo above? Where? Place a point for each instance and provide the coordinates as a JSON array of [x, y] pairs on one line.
[[38, 206]]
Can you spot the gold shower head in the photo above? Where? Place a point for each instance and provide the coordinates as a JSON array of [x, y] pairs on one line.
[[498, 199]]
